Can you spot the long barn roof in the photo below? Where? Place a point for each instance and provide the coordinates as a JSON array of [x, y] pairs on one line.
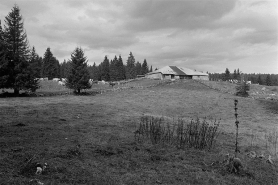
[[174, 70]]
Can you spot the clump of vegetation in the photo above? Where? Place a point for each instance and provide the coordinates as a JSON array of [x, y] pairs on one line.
[[242, 89], [195, 134]]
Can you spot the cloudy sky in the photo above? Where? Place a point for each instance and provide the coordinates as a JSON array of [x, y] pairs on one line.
[[206, 35]]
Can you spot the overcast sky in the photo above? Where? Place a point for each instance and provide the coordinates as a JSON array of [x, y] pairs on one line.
[[206, 35]]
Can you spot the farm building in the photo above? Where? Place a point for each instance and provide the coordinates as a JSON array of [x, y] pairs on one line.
[[174, 72]]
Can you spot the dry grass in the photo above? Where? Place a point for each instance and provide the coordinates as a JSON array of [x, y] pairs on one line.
[[89, 139]]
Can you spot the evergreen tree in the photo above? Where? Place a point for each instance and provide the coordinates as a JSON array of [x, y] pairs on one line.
[[274, 81], [235, 75], [242, 89], [113, 72], [99, 68], [130, 67], [57, 68], [260, 80], [120, 69], [238, 75], [227, 75], [253, 79], [2, 43], [4, 67], [145, 68], [35, 63], [268, 80], [94, 73], [151, 69], [51, 66], [79, 76], [64, 69], [14, 66], [105, 69], [138, 68]]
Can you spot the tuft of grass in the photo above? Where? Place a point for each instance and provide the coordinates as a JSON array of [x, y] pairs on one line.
[[195, 134]]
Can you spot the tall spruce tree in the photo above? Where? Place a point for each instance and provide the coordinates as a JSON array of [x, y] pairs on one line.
[[4, 64], [35, 63], [151, 69], [99, 68], [235, 75], [105, 69], [238, 75], [64, 69], [113, 69], [268, 80], [227, 75], [260, 82], [2, 42], [15, 55], [138, 68], [120, 69], [79, 76], [145, 68], [51, 66], [130, 67], [94, 73]]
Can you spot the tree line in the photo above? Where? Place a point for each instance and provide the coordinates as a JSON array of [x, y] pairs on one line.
[[20, 66], [113, 70], [262, 79]]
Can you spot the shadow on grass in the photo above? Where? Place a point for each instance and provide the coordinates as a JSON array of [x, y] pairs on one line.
[[47, 94]]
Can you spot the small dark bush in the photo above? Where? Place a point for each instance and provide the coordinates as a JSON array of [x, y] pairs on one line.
[[242, 89]]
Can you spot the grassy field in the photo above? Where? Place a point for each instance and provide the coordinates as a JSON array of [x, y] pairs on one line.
[[90, 139]]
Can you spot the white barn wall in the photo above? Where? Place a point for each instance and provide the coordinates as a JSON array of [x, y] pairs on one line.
[[200, 77], [155, 76]]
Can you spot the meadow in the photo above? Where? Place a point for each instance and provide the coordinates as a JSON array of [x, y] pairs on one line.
[[90, 139]]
